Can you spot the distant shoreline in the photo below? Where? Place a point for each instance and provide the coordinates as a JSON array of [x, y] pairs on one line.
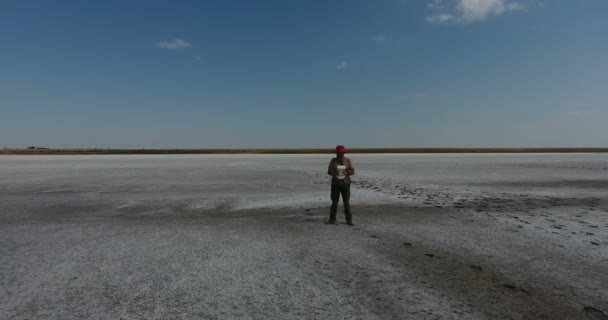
[[95, 151]]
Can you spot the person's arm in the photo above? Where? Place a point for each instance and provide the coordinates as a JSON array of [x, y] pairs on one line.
[[331, 169], [351, 169]]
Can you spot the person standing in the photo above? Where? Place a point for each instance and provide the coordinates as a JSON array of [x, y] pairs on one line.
[[340, 169]]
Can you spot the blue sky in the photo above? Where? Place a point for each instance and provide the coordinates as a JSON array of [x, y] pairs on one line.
[[303, 73]]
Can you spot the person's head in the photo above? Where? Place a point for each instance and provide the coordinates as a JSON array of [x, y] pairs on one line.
[[340, 151]]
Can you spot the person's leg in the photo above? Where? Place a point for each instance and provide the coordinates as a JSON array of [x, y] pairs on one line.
[[335, 197], [345, 190]]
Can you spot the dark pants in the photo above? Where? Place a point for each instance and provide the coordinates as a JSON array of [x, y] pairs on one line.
[[336, 191]]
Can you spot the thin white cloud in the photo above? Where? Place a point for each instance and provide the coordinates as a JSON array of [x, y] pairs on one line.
[[343, 65], [379, 38], [515, 6], [436, 4], [197, 58], [440, 18], [479, 10], [173, 44], [469, 11]]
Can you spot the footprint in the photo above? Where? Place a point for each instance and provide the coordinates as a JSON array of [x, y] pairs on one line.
[[477, 268], [597, 312]]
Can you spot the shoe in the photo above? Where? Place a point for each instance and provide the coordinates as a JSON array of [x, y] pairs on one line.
[[350, 223], [330, 222]]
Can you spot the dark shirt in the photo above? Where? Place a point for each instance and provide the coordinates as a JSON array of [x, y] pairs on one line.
[[334, 171]]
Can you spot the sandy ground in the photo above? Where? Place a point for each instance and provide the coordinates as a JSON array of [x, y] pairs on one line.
[[436, 237]]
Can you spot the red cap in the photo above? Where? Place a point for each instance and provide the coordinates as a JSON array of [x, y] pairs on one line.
[[340, 149]]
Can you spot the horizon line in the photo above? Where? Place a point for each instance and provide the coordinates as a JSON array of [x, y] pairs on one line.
[[76, 151]]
